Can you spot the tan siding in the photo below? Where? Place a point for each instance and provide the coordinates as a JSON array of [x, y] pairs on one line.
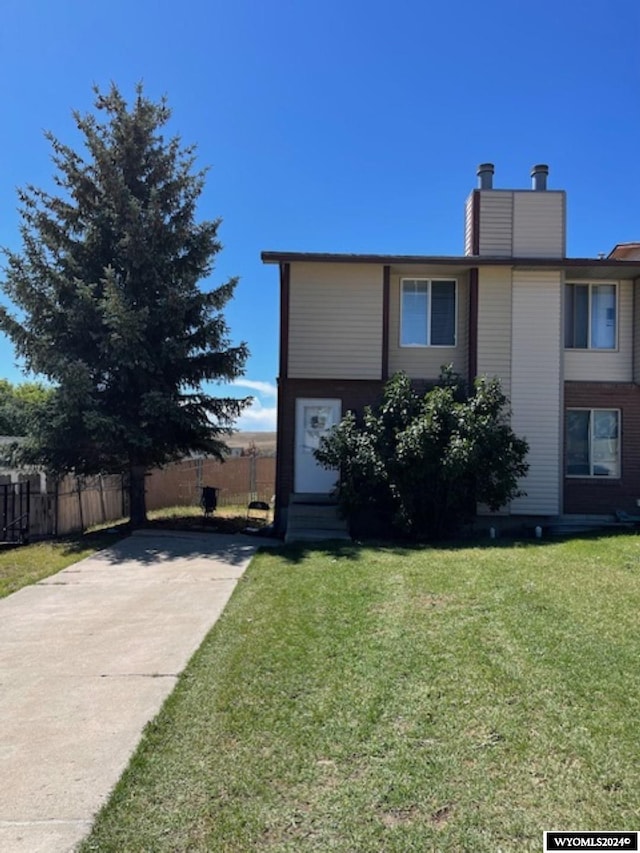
[[538, 224], [468, 226], [496, 223], [598, 366], [425, 362], [335, 321], [494, 324], [535, 388]]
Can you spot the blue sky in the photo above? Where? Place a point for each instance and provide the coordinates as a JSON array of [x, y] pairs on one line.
[[341, 126]]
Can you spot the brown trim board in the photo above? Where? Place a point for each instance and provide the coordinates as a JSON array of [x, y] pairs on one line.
[[473, 324], [285, 286], [386, 296], [283, 367]]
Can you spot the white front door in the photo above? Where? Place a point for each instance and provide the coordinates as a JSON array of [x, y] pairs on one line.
[[314, 418]]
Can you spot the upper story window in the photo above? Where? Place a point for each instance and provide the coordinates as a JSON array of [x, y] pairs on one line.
[[590, 316], [428, 312]]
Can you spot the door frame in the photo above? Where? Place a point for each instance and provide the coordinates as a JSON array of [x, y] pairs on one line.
[[326, 477]]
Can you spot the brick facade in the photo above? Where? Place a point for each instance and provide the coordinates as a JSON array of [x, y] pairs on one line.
[[582, 495], [355, 395], [590, 495]]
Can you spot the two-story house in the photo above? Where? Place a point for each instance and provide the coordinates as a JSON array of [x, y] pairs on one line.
[[562, 334]]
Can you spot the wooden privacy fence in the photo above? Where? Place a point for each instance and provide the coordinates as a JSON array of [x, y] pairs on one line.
[[239, 480], [82, 502], [73, 504]]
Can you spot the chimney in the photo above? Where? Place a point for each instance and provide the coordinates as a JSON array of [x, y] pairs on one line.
[[539, 175], [485, 176]]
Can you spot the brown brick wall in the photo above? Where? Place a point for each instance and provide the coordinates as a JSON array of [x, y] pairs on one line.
[[581, 495], [588, 495], [355, 395]]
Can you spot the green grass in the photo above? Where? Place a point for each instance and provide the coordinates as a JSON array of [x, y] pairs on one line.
[[400, 699], [226, 519], [27, 564]]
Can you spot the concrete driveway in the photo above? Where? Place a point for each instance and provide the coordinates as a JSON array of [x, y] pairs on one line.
[[87, 657]]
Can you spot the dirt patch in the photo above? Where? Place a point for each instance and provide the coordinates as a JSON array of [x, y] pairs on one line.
[[399, 817]]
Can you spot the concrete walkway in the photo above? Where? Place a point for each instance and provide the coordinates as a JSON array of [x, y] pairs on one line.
[[87, 657]]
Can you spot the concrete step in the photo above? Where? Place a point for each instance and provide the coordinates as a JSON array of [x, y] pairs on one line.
[[313, 524], [314, 521], [311, 515], [312, 499], [567, 524]]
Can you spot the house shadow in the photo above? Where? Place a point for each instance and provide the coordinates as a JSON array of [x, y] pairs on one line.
[[355, 550]]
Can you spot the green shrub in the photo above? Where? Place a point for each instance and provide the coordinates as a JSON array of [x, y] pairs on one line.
[[418, 464]]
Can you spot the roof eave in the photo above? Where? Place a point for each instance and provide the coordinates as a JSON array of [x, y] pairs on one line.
[[632, 268]]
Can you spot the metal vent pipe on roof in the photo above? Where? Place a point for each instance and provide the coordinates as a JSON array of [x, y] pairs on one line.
[[485, 176], [539, 176]]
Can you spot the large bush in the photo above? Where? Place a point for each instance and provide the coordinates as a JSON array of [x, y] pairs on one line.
[[418, 464]]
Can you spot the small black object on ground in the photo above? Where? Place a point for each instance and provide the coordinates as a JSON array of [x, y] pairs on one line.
[[209, 500]]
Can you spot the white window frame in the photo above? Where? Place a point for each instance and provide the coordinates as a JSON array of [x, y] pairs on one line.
[[591, 285], [591, 475], [428, 281]]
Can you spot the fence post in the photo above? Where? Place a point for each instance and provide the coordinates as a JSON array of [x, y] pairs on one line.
[[102, 506], [80, 503], [199, 477], [56, 506], [124, 506]]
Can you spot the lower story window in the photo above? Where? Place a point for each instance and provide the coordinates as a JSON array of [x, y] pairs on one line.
[[593, 442]]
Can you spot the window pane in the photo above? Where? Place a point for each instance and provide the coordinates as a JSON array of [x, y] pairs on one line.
[[443, 313], [568, 314], [581, 316], [576, 316], [603, 316], [605, 444], [415, 313], [578, 443]]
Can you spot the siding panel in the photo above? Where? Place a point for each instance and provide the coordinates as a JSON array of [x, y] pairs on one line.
[[494, 325], [538, 224], [496, 223], [335, 321], [536, 391]]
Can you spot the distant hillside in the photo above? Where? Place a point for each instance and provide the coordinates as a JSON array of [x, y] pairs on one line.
[[265, 442]]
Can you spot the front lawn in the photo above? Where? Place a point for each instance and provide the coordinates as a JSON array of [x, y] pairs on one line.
[[400, 699]]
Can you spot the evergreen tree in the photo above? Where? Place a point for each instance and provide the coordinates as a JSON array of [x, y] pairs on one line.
[[111, 309]]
